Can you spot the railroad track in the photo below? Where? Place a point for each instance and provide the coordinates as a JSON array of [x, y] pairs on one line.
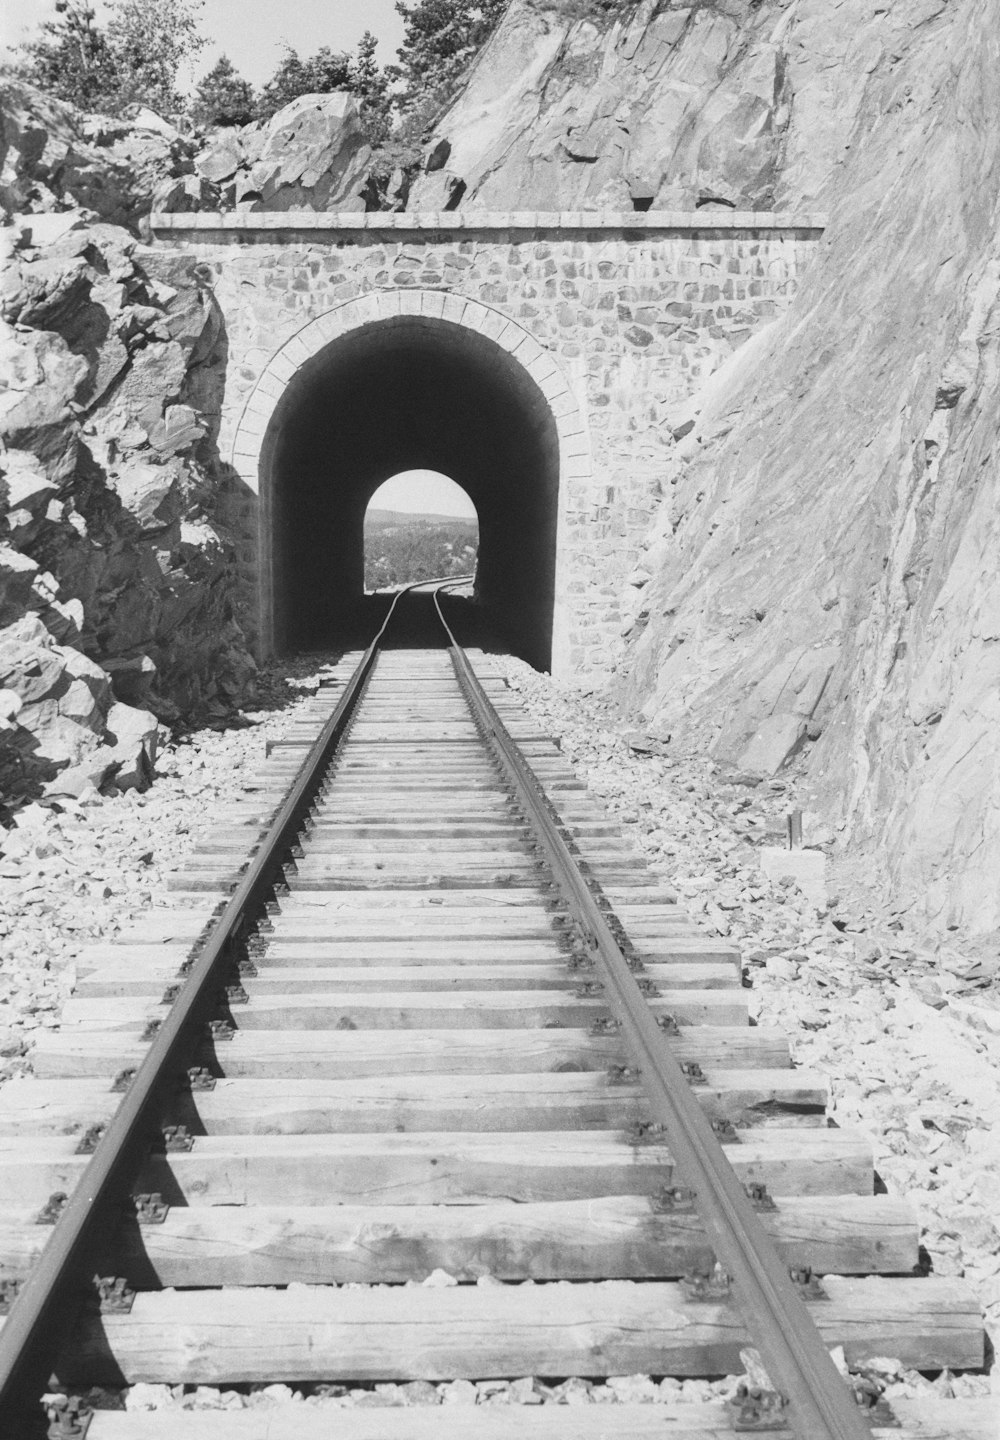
[[415, 1006]]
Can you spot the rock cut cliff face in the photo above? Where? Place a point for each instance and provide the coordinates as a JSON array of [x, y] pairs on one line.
[[579, 106], [825, 574]]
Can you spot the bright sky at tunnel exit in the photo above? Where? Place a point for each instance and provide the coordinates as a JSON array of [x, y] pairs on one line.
[[250, 32], [423, 492]]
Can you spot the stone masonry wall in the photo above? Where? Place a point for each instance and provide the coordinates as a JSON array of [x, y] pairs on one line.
[[636, 310]]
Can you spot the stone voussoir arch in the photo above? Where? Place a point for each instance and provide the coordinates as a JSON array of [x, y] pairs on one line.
[[378, 305]]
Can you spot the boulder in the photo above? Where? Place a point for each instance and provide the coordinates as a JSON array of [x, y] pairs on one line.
[[78, 780], [25, 482], [52, 157], [183, 193], [806, 869], [10, 707], [132, 678], [64, 696], [39, 377], [224, 153], [311, 155], [132, 739], [17, 573], [149, 493]]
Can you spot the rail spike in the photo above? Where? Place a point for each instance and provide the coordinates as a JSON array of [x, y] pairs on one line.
[[52, 1209], [670, 1199], [69, 1417], [90, 1139], [114, 1295], [707, 1288], [754, 1410]]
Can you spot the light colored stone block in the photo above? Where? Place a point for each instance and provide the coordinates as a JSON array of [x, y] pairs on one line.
[[806, 868]]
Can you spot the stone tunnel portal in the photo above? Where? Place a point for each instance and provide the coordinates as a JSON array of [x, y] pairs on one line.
[[410, 393]]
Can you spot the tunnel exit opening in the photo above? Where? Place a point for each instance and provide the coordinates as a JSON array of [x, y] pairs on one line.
[[400, 394], [419, 526]]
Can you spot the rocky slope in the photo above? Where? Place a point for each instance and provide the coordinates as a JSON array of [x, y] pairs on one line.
[[824, 575], [114, 561], [582, 104]]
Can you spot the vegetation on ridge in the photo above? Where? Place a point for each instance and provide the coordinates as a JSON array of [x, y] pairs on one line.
[[136, 57], [134, 60]]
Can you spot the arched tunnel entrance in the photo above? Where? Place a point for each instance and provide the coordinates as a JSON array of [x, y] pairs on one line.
[[409, 393]]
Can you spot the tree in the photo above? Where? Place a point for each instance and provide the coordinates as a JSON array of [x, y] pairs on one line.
[[371, 85], [151, 42], [70, 58], [135, 60], [322, 73], [440, 38], [223, 97]]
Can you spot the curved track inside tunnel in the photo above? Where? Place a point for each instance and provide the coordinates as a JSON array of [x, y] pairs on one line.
[[400, 394]]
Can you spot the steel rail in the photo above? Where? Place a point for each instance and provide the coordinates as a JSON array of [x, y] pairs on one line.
[[819, 1404], [31, 1332]]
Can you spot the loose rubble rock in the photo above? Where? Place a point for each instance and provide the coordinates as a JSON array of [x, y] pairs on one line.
[[52, 157], [81, 864], [311, 155]]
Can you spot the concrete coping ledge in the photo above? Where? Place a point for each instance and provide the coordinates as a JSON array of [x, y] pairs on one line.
[[685, 222]]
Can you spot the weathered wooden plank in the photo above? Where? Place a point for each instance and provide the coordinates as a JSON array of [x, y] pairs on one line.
[[531, 973], [497, 824], [428, 1169], [604, 1238], [283, 1106], [329, 1054], [330, 844], [464, 1008], [624, 898], [615, 1328], [320, 860], [436, 876], [922, 1419], [450, 944], [488, 855], [362, 809]]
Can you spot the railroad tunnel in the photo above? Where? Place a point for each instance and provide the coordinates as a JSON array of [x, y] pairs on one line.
[[409, 393]]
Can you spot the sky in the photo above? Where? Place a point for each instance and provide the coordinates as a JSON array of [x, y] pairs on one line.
[[251, 32], [423, 492]]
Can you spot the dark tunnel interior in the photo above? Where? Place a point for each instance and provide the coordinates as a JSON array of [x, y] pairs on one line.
[[406, 394]]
